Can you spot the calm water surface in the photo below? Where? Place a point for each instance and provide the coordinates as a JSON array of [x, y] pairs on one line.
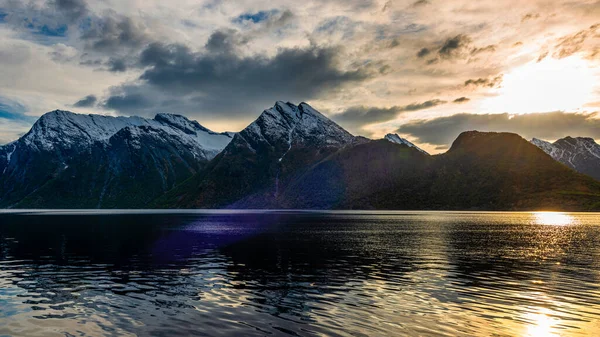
[[299, 274]]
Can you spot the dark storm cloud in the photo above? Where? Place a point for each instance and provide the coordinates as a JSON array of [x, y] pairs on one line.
[[126, 102], [490, 82], [223, 41], [116, 65], [221, 80], [306, 71], [86, 102], [461, 100], [72, 9], [113, 32], [355, 117], [442, 131]]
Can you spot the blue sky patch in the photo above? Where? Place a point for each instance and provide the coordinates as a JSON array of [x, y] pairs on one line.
[[256, 17], [14, 111], [59, 31]]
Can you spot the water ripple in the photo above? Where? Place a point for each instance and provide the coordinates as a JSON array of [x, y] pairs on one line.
[[300, 274]]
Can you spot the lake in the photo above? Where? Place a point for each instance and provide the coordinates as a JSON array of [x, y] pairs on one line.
[[299, 273]]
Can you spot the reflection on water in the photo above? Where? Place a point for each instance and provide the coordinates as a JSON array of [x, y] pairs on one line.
[[542, 324], [554, 218], [346, 274]]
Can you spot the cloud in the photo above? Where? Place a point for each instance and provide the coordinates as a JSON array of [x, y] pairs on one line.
[[571, 44], [487, 49], [221, 80], [12, 110], [490, 82], [358, 116], [86, 102], [72, 9], [423, 52], [530, 16], [554, 125], [11, 130], [220, 41], [126, 101], [458, 47], [116, 65], [338, 24], [49, 19], [114, 32], [421, 3], [453, 47], [461, 100]]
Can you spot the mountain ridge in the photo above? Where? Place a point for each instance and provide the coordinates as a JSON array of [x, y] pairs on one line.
[[102, 150], [290, 156], [579, 153]]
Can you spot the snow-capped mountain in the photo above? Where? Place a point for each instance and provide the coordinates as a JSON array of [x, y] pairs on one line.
[[287, 124], [394, 138], [68, 130], [580, 153], [257, 165], [100, 154]]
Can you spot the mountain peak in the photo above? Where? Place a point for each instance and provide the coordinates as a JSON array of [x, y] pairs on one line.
[[396, 139], [580, 153], [485, 141], [286, 123]]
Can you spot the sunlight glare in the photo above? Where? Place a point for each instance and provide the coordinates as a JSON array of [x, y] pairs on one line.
[[553, 219], [542, 325], [549, 85]]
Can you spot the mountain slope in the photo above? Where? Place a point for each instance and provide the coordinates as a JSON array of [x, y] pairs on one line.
[[261, 160], [74, 161], [581, 154], [492, 171]]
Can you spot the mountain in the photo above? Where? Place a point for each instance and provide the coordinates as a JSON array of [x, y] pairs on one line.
[[261, 160], [581, 154], [481, 171], [69, 160], [294, 157], [394, 138], [291, 156]]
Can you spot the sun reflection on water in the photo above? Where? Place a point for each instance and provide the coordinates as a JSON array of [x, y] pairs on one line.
[[553, 218], [542, 324]]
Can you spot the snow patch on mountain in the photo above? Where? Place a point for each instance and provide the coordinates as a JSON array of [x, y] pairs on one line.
[[580, 153], [70, 130], [394, 138]]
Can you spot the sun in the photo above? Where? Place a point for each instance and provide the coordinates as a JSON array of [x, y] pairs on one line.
[[549, 85]]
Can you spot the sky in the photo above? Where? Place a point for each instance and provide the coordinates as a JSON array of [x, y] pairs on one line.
[[425, 69]]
